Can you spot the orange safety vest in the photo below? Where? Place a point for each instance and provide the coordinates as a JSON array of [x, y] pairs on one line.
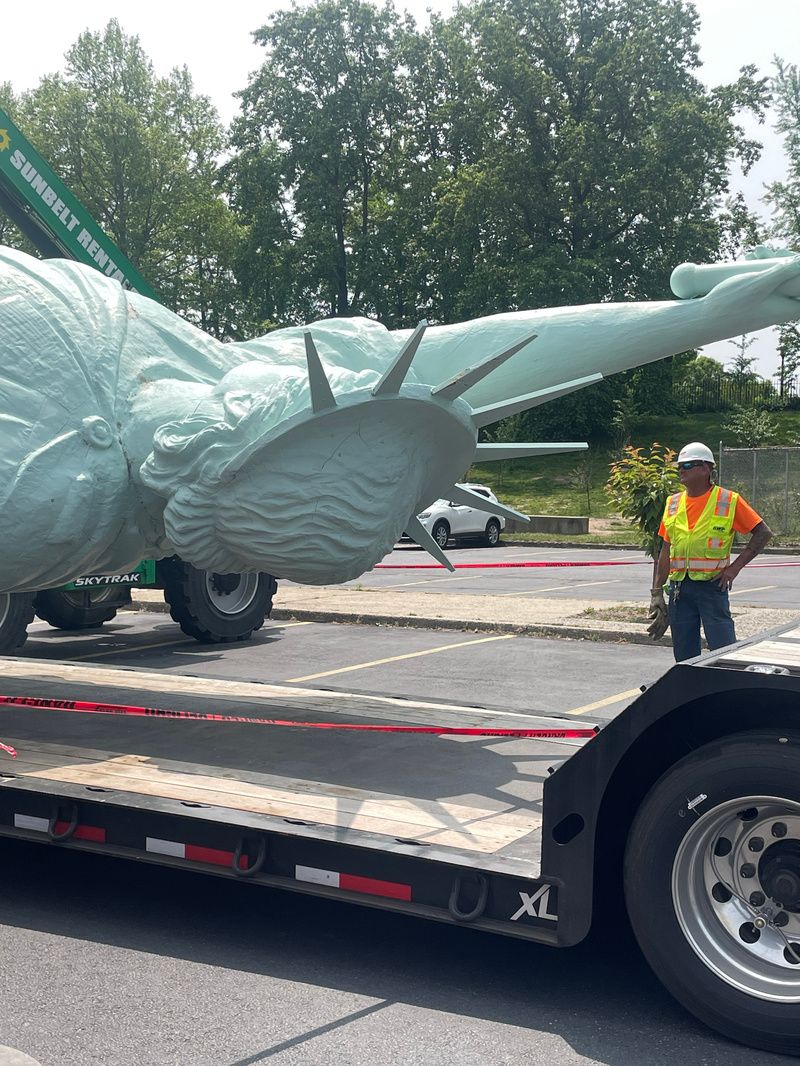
[[700, 553]]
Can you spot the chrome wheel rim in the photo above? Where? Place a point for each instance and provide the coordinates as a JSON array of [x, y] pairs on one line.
[[736, 893], [5, 606], [231, 593]]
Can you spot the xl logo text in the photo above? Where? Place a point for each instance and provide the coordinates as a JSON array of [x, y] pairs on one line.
[[535, 906]]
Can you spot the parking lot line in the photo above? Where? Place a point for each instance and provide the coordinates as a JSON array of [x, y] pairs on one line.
[[432, 580], [620, 696], [759, 588], [559, 588], [398, 658]]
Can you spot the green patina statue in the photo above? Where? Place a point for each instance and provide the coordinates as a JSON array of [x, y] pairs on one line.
[[126, 433]]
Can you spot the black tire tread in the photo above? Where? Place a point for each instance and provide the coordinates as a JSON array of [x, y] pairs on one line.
[[182, 583], [14, 631], [55, 609], [758, 757]]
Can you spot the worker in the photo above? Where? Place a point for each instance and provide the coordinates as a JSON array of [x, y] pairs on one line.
[[697, 532]]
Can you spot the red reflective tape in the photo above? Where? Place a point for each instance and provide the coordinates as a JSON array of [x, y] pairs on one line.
[[82, 832], [9, 750], [214, 856], [371, 887], [86, 707]]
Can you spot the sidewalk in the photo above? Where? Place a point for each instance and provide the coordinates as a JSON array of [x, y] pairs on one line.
[[578, 619]]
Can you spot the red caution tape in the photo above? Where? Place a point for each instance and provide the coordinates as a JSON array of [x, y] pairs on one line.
[[7, 748], [505, 566], [84, 707]]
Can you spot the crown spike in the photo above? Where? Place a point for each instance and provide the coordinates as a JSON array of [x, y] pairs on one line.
[[480, 503], [459, 384], [395, 375], [419, 533], [488, 453], [322, 398], [484, 416]]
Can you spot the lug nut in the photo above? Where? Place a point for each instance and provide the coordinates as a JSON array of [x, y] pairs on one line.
[[747, 870], [756, 844], [781, 919], [779, 829], [758, 899]]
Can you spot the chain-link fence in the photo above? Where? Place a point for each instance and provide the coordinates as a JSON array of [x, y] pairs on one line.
[[769, 479]]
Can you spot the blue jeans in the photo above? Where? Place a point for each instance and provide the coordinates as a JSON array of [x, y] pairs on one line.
[[693, 602]]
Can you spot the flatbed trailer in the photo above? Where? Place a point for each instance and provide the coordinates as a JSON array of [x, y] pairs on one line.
[[687, 805]]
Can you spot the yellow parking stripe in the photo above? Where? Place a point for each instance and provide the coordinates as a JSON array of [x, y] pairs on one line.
[[620, 696], [398, 658]]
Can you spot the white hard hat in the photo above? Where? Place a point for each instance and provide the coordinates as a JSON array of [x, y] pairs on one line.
[[695, 450]]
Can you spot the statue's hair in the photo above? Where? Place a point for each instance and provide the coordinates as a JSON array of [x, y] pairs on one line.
[[283, 495]]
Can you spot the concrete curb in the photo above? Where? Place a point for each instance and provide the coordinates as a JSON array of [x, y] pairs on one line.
[[530, 629]]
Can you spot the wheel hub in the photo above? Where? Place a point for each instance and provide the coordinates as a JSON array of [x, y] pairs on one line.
[[230, 594], [736, 892], [225, 583], [779, 873]]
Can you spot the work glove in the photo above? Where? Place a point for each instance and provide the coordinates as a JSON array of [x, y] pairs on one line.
[[658, 615]]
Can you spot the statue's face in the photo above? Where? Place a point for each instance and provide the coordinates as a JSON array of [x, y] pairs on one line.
[[326, 499]]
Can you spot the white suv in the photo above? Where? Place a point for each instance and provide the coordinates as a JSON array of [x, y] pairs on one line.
[[445, 520]]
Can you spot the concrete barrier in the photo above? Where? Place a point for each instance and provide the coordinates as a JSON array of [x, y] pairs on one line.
[[544, 523]]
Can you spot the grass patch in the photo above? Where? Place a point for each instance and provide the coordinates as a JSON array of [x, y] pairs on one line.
[[552, 485], [620, 613]]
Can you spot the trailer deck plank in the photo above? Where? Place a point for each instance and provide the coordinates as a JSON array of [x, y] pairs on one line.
[[446, 824]]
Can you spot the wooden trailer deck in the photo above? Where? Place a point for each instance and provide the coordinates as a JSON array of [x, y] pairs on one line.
[[463, 800]]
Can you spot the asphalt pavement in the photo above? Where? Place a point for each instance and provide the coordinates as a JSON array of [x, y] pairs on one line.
[[121, 964]]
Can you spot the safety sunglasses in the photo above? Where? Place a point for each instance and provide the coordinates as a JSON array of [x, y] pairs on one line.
[[691, 465]]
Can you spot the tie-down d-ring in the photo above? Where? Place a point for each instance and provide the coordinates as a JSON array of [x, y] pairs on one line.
[[477, 881], [72, 823], [249, 870]]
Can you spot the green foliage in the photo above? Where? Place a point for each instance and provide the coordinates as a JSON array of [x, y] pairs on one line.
[[639, 485], [140, 152], [751, 427]]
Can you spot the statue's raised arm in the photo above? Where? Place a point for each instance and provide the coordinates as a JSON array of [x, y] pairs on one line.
[[126, 433]]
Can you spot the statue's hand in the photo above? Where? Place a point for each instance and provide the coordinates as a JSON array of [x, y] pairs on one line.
[[773, 294]]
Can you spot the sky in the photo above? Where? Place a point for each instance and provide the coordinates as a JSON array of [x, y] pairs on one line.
[[216, 45]]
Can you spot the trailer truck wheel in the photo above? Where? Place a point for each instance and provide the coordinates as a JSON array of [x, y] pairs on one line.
[[216, 608], [16, 614], [80, 608], [712, 886]]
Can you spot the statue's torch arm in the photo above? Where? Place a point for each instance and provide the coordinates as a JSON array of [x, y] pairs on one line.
[[690, 280]]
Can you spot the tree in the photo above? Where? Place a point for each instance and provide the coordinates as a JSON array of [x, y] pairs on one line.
[[321, 118], [784, 197], [595, 158], [639, 485], [789, 356], [750, 427], [741, 363], [141, 152]]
